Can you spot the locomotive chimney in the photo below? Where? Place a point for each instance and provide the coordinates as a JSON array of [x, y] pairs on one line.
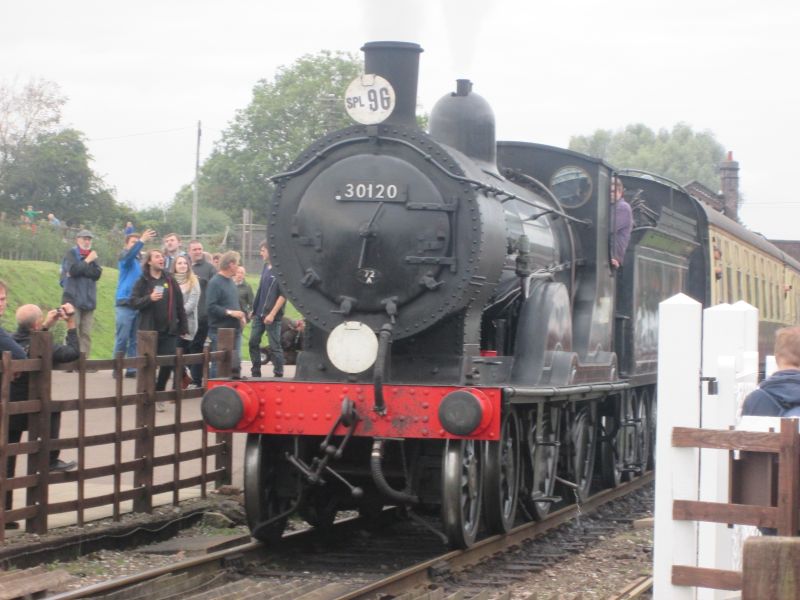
[[397, 62], [729, 176]]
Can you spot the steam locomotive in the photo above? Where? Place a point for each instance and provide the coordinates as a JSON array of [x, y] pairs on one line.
[[469, 349]]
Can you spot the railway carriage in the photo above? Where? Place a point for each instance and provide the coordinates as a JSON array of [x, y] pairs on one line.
[[746, 266], [469, 350]]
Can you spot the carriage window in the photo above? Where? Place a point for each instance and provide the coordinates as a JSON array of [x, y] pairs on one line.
[[729, 295], [572, 186], [756, 295]]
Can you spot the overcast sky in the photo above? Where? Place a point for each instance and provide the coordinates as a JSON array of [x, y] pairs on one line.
[[139, 75]]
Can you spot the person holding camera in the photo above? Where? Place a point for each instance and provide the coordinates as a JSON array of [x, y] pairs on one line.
[[7, 344], [159, 300], [126, 317], [30, 318], [79, 274]]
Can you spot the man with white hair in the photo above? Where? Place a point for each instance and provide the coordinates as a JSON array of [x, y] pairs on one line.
[[30, 319]]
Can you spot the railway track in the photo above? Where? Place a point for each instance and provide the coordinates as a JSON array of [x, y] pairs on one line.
[[635, 589], [347, 563]]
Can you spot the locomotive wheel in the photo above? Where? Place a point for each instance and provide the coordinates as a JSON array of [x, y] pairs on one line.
[[610, 464], [261, 500], [615, 444], [650, 408], [501, 476], [642, 434], [461, 492], [540, 477], [583, 438]]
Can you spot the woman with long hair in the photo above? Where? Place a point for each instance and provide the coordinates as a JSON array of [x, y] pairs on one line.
[[159, 300], [190, 287]]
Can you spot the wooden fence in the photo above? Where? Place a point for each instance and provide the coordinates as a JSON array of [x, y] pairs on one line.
[[765, 491], [105, 455]]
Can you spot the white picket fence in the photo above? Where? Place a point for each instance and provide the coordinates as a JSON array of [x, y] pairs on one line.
[[697, 347]]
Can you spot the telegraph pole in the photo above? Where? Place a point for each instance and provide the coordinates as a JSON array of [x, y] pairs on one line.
[[196, 182]]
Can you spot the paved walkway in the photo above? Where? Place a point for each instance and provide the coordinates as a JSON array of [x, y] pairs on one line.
[[99, 421]]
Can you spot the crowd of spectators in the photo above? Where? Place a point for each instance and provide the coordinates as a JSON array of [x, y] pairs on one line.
[[186, 298]]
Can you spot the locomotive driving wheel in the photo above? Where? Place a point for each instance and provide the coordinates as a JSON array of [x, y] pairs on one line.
[[263, 505], [501, 476], [461, 491], [583, 437], [625, 449], [650, 407], [542, 453], [614, 443], [641, 434]]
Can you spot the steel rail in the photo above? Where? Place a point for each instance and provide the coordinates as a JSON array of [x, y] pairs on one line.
[[192, 564], [401, 581], [634, 589], [459, 559]]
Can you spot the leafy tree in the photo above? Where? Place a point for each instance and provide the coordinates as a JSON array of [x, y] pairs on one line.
[[682, 154], [284, 116], [178, 217], [209, 219], [46, 165], [53, 173]]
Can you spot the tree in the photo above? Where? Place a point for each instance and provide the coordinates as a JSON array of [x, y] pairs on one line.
[[46, 165], [682, 155], [284, 116], [178, 216], [52, 173], [26, 114]]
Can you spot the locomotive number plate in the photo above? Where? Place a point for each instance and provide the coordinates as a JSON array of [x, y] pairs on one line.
[[370, 191], [369, 99]]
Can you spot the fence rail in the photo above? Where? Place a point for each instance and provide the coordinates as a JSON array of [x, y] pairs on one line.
[[780, 511], [108, 454]]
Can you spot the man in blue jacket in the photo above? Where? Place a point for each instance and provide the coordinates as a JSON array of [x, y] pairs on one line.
[[779, 393], [267, 315], [125, 315], [79, 274]]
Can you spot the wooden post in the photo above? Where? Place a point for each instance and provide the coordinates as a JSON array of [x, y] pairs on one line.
[[675, 542], [789, 479], [39, 385], [771, 568], [82, 372], [225, 341], [176, 457], [224, 460], [146, 345], [120, 373], [5, 394]]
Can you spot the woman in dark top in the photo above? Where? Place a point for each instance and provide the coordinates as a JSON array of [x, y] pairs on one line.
[[158, 298]]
